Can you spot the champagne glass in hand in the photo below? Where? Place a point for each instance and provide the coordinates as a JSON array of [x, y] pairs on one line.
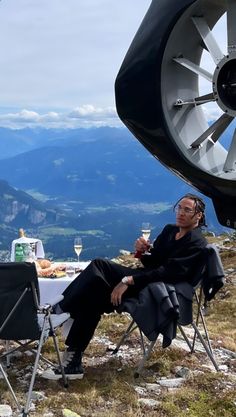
[[78, 246], [146, 230]]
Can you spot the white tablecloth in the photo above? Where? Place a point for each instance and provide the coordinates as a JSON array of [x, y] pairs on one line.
[[50, 288]]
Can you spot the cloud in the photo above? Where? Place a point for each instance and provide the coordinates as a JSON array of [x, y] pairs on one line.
[[92, 111], [97, 116], [86, 115], [27, 116], [58, 54], [212, 112]]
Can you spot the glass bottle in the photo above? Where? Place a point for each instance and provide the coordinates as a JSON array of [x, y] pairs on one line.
[[19, 253], [19, 248]]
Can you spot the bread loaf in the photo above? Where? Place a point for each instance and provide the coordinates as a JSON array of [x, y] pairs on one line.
[[44, 263]]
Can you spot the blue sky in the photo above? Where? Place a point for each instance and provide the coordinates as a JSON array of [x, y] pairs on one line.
[[59, 60]]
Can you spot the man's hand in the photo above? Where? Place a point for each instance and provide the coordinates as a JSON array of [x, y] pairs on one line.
[[117, 293], [142, 245]]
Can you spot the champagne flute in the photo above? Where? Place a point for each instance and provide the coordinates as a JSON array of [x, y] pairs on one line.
[[146, 230], [78, 246]]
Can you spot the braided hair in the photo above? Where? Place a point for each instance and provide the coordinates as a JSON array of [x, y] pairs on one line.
[[199, 207]]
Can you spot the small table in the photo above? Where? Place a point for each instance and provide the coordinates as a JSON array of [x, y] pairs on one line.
[[50, 288]]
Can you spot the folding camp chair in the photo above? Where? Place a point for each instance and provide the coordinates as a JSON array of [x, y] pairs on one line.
[[208, 280], [24, 321]]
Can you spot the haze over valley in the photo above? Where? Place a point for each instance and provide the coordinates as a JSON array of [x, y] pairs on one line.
[[97, 183]]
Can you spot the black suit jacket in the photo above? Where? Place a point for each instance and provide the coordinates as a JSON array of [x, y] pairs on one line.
[[171, 260]]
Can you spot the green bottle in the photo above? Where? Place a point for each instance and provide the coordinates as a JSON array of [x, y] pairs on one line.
[[19, 253], [19, 248]]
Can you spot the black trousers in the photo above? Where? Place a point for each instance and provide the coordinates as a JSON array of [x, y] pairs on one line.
[[88, 297]]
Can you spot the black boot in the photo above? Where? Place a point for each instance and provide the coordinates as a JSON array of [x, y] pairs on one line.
[[71, 361]]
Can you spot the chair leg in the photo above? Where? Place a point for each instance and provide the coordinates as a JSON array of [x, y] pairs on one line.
[[199, 301], [10, 388], [38, 357], [65, 381], [185, 338], [146, 351], [8, 356], [206, 347], [132, 326], [36, 362], [200, 315], [142, 341], [144, 359], [206, 333]]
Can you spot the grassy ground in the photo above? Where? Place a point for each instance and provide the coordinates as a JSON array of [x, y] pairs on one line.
[[109, 388]]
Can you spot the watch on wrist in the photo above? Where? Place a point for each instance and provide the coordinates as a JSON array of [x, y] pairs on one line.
[[125, 280]]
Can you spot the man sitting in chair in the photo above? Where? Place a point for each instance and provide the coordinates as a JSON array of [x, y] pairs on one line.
[[101, 287]]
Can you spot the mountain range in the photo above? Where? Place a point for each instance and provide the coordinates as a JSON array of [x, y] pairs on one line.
[[99, 183]]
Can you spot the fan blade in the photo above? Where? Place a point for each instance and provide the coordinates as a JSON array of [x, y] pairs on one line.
[[216, 129], [194, 68], [208, 39], [230, 162]]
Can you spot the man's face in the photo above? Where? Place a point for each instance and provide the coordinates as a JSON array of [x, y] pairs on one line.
[[185, 214]]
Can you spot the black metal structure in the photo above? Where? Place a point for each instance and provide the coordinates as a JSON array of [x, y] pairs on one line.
[[159, 100]]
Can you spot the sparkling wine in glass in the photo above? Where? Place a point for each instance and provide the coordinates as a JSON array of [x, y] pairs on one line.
[[146, 230], [78, 246]]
